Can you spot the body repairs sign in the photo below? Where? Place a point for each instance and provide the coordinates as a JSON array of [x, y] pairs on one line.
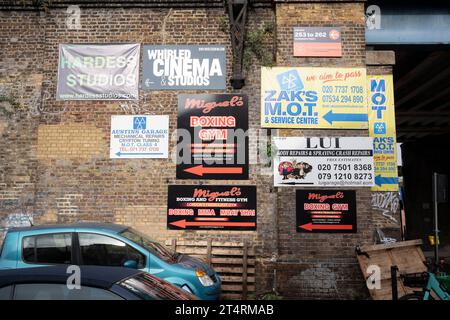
[[98, 72], [184, 67], [316, 98], [323, 161]]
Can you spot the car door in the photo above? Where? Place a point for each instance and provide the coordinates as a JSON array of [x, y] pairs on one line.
[[102, 250], [46, 249]]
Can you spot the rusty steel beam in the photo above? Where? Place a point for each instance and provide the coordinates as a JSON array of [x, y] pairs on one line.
[[237, 13]]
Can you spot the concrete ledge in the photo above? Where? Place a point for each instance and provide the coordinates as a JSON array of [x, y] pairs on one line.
[[377, 58]]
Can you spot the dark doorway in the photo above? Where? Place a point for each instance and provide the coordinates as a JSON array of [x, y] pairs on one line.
[[422, 101]]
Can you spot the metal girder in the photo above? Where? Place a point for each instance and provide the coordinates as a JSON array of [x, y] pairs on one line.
[[237, 13], [411, 129]]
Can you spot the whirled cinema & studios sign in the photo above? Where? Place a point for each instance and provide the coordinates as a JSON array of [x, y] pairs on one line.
[[178, 67], [98, 72]]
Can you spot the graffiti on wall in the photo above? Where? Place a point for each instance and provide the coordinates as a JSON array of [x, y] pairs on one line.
[[17, 220], [388, 203]]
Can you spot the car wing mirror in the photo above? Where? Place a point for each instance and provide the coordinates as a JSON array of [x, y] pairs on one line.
[[130, 264]]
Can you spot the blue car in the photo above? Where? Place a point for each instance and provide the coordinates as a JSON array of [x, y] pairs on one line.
[[106, 245]]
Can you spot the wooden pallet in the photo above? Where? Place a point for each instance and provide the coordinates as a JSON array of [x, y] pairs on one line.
[[234, 261], [406, 255]]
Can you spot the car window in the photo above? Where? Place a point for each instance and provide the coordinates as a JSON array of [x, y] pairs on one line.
[[46, 291], [49, 248], [5, 293], [102, 250], [154, 247]]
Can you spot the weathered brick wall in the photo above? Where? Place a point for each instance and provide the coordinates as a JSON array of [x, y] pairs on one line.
[[21, 80], [68, 142], [320, 265], [54, 160]]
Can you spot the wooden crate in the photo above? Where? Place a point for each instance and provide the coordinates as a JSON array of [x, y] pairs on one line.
[[234, 261], [406, 255]]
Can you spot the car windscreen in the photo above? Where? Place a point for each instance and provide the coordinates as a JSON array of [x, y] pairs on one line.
[[154, 247], [148, 287]]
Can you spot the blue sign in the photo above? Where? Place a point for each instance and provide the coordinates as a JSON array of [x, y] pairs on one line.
[[290, 80], [379, 128], [139, 123]]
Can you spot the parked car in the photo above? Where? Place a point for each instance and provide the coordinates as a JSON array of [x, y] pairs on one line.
[[106, 245], [96, 283]]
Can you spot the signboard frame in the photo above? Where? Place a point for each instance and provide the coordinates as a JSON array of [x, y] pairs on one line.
[[326, 211], [235, 204], [217, 126], [184, 67], [120, 60], [142, 136], [323, 161], [313, 98]]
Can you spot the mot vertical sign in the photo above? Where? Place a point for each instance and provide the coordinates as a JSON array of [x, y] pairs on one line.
[[381, 112]]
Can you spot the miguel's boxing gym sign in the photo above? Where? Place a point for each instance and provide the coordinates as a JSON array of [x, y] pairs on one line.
[[212, 136]]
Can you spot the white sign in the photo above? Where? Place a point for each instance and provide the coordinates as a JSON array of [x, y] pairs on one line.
[[330, 161], [98, 72], [139, 136]]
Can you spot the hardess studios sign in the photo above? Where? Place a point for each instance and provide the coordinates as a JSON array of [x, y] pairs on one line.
[[185, 67], [98, 72]]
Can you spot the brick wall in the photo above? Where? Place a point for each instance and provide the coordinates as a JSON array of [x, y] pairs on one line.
[[54, 160], [320, 265], [68, 142]]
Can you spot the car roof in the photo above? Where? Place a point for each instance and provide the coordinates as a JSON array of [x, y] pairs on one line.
[[93, 276], [88, 225]]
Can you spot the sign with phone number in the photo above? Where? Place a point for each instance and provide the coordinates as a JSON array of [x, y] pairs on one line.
[[333, 98], [329, 161]]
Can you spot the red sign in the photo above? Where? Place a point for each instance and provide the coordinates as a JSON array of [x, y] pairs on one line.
[[211, 207], [332, 211], [212, 133], [317, 42]]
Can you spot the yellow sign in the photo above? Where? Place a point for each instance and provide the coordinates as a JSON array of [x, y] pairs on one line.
[[318, 98], [382, 128]]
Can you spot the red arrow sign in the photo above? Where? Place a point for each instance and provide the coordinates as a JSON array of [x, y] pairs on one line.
[[311, 227], [183, 224], [201, 170]]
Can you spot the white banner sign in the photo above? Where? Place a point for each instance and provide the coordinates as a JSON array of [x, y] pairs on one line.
[[139, 136], [331, 161], [98, 72]]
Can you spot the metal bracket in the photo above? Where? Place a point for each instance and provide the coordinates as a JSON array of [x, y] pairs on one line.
[[237, 13]]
